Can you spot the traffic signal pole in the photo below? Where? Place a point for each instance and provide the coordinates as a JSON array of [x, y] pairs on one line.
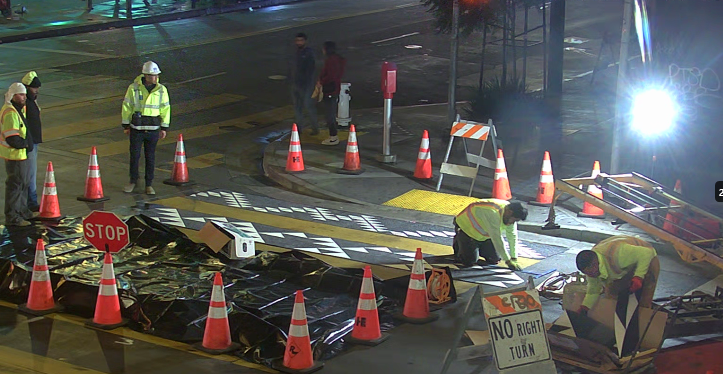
[[452, 93], [620, 88]]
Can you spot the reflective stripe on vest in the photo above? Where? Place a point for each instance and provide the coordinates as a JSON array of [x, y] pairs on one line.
[[473, 220]]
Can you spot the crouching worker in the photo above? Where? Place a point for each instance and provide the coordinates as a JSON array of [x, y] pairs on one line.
[[617, 264], [478, 232]]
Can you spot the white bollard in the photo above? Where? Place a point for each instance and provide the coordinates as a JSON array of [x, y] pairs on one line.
[[343, 118]]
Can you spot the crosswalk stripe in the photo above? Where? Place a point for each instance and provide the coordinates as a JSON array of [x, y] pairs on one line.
[[109, 122], [211, 129]]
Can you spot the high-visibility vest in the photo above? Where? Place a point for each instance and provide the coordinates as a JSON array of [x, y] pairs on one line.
[[470, 220], [11, 124], [151, 104]]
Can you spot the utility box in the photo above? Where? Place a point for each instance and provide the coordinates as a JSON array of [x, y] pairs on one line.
[[228, 239]]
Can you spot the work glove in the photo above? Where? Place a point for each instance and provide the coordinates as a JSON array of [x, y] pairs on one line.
[[582, 310], [635, 284], [513, 265]]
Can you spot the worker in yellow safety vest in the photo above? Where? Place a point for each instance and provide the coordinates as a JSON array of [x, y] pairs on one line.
[[478, 232], [15, 142], [146, 116], [616, 264]]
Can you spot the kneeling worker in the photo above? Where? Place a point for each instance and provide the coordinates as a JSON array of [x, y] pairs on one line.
[[617, 264], [478, 232]]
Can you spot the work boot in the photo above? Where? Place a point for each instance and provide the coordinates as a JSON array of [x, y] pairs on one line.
[[150, 191], [129, 187], [333, 140], [34, 215]]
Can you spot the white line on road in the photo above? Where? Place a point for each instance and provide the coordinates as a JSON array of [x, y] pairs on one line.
[[396, 37], [406, 5], [87, 54], [204, 77]]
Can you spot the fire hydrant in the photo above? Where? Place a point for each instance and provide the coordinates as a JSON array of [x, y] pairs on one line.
[[343, 118]]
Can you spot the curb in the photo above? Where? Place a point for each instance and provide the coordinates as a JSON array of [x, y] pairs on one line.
[[101, 26]]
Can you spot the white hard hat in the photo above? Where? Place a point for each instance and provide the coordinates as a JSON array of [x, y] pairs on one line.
[[15, 88], [151, 67]]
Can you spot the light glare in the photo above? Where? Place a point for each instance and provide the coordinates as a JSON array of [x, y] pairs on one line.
[[653, 112]]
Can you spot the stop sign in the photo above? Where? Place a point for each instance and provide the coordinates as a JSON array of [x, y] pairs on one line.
[[105, 231]]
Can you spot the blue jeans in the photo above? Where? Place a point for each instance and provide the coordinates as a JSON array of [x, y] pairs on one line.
[[146, 140], [301, 96], [32, 176]]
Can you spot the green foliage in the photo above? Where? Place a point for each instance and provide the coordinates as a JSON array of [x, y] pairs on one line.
[[473, 15]]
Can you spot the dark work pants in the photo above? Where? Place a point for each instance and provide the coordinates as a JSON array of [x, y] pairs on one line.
[[147, 140], [468, 250], [16, 191], [302, 99], [331, 104], [32, 178]]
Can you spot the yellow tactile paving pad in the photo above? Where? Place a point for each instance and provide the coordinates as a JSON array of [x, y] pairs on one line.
[[433, 202]]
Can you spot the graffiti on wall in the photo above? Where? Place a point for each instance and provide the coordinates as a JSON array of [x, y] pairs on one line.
[[696, 88]]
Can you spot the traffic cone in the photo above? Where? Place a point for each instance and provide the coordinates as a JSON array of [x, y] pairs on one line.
[[217, 336], [295, 160], [366, 325], [589, 210], [93, 185], [107, 307], [501, 185], [179, 174], [672, 219], [424, 159], [298, 356], [546, 188], [49, 206], [40, 298], [352, 164], [416, 305]]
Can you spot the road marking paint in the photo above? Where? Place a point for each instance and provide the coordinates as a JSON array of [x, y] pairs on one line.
[[204, 77], [396, 37], [17, 361], [80, 102], [88, 54], [204, 161], [104, 123], [211, 129]]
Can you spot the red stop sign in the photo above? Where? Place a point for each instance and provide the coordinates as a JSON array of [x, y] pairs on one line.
[[105, 231]]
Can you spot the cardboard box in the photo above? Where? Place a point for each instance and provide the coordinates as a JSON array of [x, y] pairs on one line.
[[228, 239]]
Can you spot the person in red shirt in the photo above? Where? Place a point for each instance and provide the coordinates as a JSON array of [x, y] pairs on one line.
[[330, 82]]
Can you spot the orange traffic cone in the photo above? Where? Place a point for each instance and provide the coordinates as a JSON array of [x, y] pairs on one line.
[[298, 356], [352, 164], [424, 159], [107, 307], [295, 160], [546, 188], [49, 206], [501, 185], [40, 298], [416, 305], [672, 219], [366, 325], [589, 210], [93, 185], [217, 336], [179, 174]]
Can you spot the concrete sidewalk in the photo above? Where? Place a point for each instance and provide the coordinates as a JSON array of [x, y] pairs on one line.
[[46, 18]]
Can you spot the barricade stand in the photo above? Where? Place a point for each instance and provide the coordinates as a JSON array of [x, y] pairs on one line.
[[508, 314], [469, 131]]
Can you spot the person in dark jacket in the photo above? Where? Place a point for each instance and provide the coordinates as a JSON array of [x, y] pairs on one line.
[[32, 116], [302, 83], [330, 82]]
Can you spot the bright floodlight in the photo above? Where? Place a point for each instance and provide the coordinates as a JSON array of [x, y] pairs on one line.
[[653, 112]]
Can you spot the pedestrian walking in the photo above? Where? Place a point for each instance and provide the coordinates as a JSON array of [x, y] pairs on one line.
[[32, 115], [478, 232], [303, 67], [330, 82], [15, 142], [146, 116]]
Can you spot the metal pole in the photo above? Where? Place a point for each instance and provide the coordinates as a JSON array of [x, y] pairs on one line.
[[544, 48], [451, 95], [386, 156], [619, 90]]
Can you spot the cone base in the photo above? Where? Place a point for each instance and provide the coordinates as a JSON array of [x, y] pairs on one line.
[[171, 182], [352, 340], [537, 203], [90, 323], [230, 348], [24, 308], [279, 365], [585, 215], [351, 172], [83, 198], [48, 219], [416, 321], [294, 171]]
